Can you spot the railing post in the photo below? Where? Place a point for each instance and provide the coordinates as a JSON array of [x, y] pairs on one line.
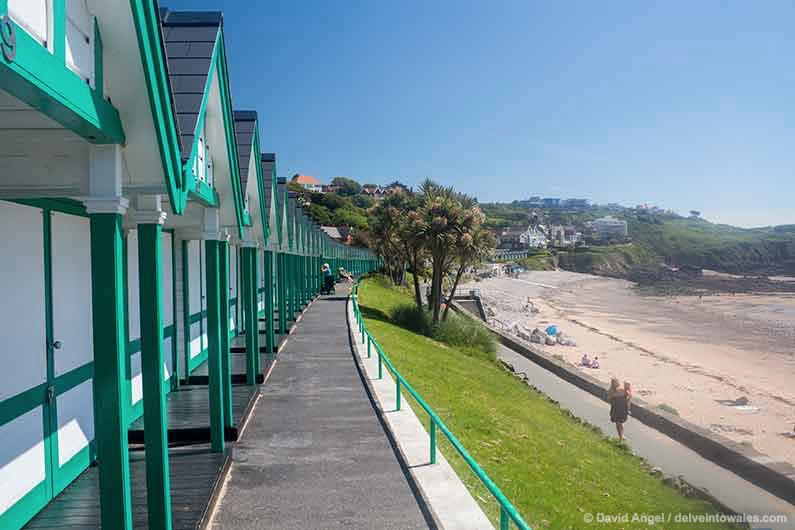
[[369, 342], [504, 521], [433, 441], [361, 327], [380, 366], [397, 392]]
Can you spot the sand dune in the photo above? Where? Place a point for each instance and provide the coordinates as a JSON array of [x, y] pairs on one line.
[[696, 355]]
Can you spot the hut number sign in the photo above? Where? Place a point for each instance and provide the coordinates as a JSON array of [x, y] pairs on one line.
[[8, 39]]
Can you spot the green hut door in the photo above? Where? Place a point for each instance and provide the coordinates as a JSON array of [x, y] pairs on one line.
[[46, 403]]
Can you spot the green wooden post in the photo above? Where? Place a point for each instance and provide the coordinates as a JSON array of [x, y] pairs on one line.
[[214, 370], [269, 339], [158, 487], [250, 308], [110, 397], [282, 293], [226, 361]]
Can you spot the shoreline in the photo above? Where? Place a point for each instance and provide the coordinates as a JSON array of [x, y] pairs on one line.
[[701, 358]]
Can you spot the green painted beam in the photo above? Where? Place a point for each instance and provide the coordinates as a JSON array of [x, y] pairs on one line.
[[249, 255], [269, 338], [226, 361], [214, 370], [158, 485], [109, 371]]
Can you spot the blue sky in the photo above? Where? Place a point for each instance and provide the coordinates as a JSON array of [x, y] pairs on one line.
[[687, 105]]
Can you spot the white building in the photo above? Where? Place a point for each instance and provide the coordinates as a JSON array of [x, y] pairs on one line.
[[609, 226]]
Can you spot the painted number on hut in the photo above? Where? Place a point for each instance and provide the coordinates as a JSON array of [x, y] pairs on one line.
[[8, 39]]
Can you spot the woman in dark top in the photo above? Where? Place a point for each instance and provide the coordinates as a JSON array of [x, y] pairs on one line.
[[619, 406]]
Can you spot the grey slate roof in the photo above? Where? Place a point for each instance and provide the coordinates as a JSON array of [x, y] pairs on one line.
[[245, 122], [268, 160], [189, 38]]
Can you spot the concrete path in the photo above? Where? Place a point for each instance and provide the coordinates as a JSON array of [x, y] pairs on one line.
[[659, 450], [314, 454]]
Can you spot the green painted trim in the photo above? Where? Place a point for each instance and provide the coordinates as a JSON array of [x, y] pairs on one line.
[[150, 284], [225, 332], [42, 80], [214, 338], [68, 206], [59, 30], [15, 406], [49, 409], [146, 19], [18, 515], [66, 382], [206, 195], [110, 396], [185, 307], [174, 350], [197, 361]]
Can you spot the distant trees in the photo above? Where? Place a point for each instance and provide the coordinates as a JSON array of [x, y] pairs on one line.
[[347, 186], [438, 228]]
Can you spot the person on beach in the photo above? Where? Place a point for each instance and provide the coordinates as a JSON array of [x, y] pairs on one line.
[[595, 362], [585, 361], [619, 406]]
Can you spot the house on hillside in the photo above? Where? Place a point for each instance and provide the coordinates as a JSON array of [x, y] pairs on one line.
[[576, 203], [550, 202], [373, 191], [396, 187], [308, 182], [610, 227], [342, 234], [329, 188]]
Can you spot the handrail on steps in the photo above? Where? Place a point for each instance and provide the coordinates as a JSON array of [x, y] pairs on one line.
[[508, 512]]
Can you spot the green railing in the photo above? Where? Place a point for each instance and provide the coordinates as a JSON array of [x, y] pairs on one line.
[[507, 511]]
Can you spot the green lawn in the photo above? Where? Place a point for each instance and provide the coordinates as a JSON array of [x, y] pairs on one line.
[[551, 466]]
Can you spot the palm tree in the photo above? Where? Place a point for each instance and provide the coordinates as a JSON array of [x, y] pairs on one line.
[[472, 249]]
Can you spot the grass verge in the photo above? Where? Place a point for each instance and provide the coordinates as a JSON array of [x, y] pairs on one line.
[[554, 468]]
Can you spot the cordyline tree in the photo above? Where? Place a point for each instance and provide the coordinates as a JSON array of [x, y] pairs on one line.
[[471, 250], [385, 220], [449, 222], [437, 228]]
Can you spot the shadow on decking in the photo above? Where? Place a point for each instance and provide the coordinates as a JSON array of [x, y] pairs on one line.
[[195, 474]]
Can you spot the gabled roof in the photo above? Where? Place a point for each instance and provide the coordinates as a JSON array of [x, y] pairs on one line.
[[190, 38], [305, 179], [245, 125]]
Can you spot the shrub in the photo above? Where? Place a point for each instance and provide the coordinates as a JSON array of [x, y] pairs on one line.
[[410, 317], [461, 331]]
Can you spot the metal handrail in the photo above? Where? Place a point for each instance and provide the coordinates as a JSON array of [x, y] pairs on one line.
[[507, 510]]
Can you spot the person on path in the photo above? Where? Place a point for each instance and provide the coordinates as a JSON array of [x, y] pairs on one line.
[[328, 279], [619, 406]]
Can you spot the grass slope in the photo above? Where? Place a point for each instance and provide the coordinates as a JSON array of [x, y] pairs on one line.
[[551, 466]]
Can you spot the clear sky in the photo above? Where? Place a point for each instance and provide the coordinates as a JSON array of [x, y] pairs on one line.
[[683, 104]]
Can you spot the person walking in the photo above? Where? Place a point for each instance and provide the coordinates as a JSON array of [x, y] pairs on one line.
[[619, 406]]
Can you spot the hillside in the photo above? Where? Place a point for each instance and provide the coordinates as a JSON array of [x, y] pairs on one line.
[[667, 238]]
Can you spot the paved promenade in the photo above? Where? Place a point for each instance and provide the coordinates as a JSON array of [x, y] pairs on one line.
[[314, 454]]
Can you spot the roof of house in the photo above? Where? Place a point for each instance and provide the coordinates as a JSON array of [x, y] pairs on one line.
[[245, 122], [189, 38], [332, 231], [305, 179]]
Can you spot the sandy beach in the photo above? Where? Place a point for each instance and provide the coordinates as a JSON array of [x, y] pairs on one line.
[[694, 355]]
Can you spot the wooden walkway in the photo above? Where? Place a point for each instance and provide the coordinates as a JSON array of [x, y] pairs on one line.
[[314, 453], [188, 413], [196, 474]]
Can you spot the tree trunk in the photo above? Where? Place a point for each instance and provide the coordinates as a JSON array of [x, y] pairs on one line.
[[458, 275], [417, 292], [436, 288]]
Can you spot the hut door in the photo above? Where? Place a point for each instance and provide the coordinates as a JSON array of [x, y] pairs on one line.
[[24, 412], [71, 348]]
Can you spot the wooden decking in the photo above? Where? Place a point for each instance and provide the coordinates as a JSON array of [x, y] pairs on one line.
[[196, 474], [188, 413]]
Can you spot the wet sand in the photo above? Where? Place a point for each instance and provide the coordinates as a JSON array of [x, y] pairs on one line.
[[695, 355]]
